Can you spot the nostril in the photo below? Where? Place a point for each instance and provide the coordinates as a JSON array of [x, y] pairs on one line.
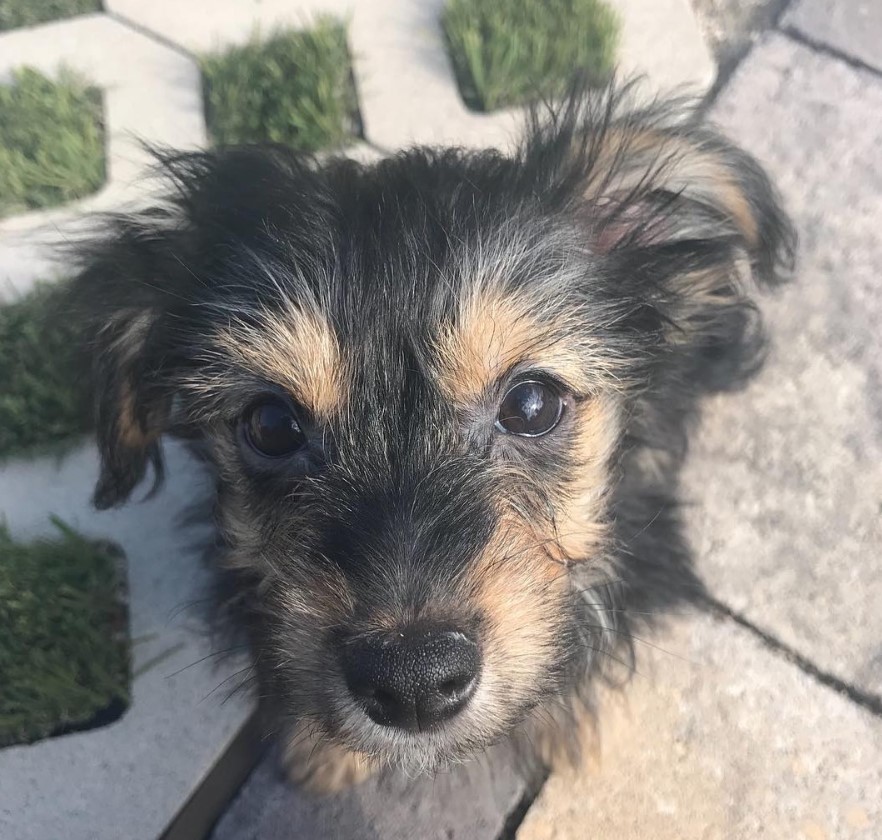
[[383, 697], [456, 686]]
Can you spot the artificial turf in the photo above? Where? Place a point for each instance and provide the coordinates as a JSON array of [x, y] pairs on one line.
[[51, 141], [293, 88], [507, 52], [42, 400], [64, 649], [15, 13]]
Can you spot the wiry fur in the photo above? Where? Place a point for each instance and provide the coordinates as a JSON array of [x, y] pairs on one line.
[[393, 302]]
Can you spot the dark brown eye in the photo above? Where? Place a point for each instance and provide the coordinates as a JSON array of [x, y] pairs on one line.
[[271, 428], [530, 409]]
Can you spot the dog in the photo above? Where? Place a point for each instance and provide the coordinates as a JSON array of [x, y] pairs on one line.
[[446, 397]]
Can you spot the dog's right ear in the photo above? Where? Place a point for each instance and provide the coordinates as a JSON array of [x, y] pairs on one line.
[[119, 305]]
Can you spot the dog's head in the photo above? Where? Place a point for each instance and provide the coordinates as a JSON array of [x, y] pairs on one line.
[[416, 380]]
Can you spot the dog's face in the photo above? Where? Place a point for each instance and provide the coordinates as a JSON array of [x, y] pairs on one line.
[[416, 382]]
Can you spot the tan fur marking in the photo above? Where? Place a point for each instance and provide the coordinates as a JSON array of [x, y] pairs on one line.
[[519, 589], [495, 331], [129, 430], [322, 766], [697, 173], [581, 530], [133, 326], [299, 351]]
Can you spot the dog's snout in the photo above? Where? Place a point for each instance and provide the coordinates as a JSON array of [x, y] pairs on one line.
[[412, 679]]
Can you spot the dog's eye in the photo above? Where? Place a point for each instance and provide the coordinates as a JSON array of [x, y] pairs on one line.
[[272, 429], [530, 409]]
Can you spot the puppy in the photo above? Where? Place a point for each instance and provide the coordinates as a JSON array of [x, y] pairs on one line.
[[446, 399]]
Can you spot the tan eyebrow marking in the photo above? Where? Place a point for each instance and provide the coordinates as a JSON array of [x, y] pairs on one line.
[[299, 351]]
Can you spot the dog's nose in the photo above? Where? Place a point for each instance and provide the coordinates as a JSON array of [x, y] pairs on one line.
[[412, 679]]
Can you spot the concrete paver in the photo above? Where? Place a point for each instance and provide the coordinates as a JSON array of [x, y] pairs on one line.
[[785, 479], [720, 739], [469, 803], [853, 27], [128, 779], [151, 93]]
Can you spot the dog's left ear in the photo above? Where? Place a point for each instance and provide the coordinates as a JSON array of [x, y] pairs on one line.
[[119, 303], [680, 219], [656, 177]]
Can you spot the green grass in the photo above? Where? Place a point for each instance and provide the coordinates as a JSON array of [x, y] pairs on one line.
[[64, 650], [51, 141], [41, 401], [507, 52], [14, 13], [293, 88]]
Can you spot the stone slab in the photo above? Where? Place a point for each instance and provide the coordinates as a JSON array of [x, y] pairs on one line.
[[407, 91], [854, 27], [128, 779], [717, 738], [469, 803], [150, 93], [785, 478]]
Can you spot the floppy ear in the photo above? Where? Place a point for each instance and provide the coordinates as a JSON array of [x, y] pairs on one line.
[[654, 174], [119, 307], [680, 216]]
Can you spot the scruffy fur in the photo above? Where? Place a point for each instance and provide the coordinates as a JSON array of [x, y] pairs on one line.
[[614, 252]]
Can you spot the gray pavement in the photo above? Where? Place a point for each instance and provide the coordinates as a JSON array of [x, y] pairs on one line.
[[718, 740], [786, 478], [853, 28], [472, 801]]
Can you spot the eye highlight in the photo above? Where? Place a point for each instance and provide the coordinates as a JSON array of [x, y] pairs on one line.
[[271, 428], [530, 409]]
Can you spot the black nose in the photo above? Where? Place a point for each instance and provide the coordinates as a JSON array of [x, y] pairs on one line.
[[412, 679]]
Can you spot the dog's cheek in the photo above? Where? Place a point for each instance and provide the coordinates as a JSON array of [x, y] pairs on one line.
[[521, 594], [581, 527]]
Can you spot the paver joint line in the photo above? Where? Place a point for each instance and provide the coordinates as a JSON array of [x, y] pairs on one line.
[[865, 699], [828, 50]]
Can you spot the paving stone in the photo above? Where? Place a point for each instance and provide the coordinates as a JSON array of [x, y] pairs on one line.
[[407, 91], [785, 478], [130, 778], [150, 93], [662, 40], [853, 27], [718, 739], [470, 803]]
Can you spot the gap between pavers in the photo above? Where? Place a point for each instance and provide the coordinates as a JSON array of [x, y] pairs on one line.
[[853, 27], [128, 779], [784, 480], [718, 738], [149, 93]]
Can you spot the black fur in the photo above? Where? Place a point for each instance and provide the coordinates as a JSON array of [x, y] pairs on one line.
[[635, 249]]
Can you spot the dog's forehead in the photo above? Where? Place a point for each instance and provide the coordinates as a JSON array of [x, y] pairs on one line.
[[419, 285], [440, 332]]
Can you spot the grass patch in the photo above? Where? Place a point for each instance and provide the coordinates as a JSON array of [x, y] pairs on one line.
[[14, 13], [507, 52], [294, 88], [64, 650], [42, 403], [51, 141]]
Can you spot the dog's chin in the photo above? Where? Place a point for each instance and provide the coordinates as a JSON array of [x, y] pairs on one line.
[[424, 751], [413, 753]]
